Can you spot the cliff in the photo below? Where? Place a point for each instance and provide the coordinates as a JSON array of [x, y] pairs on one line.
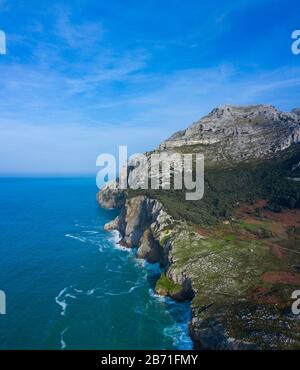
[[235, 254]]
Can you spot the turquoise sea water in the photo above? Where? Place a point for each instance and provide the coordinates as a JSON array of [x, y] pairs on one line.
[[67, 283]]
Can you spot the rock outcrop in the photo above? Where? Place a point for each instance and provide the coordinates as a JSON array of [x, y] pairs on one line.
[[141, 222], [111, 196]]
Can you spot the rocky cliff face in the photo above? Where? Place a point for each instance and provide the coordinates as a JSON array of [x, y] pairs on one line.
[[240, 273], [144, 224], [232, 133], [111, 196], [141, 223]]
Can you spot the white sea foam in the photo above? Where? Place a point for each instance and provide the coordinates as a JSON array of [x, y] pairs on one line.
[[178, 333], [91, 291], [122, 293], [115, 239], [153, 268], [88, 292], [81, 239], [61, 302], [62, 341], [156, 296], [61, 299], [92, 232], [82, 226], [70, 296], [121, 248], [115, 236]]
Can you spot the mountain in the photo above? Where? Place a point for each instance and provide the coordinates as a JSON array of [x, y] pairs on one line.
[[235, 253], [231, 133]]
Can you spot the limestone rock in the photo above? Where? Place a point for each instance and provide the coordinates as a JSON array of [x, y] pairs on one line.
[[150, 249], [111, 196], [232, 133]]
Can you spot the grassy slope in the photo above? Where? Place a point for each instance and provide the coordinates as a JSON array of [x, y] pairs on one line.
[[225, 185]]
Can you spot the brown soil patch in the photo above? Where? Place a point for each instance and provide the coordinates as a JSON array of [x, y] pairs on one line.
[[265, 295], [288, 218], [277, 251], [203, 232], [281, 277], [246, 208]]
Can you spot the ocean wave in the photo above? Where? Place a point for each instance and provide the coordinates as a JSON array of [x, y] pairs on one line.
[[92, 232], [179, 335], [157, 296], [153, 268], [121, 248], [79, 238], [115, 238], [124, 292], [89, 238]]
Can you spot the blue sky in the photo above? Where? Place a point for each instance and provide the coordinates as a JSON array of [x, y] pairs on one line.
[[82, 77]]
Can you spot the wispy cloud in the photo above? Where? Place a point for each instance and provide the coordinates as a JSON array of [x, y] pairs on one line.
[[109, 69], [78, 91], [82, 35]]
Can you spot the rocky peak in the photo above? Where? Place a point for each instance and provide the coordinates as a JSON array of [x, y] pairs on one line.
[[239, 132], [296, 111]]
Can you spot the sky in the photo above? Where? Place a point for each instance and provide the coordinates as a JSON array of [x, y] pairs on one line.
[[81, 77]]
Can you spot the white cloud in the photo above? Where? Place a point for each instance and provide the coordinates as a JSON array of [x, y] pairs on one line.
[[77, 36]]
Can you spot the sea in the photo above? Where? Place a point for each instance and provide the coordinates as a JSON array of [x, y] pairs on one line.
[[67, 282]]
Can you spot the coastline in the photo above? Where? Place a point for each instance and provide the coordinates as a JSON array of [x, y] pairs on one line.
[[144, 227], [179, 332]]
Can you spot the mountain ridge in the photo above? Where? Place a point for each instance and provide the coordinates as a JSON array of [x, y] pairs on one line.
[[237, 133]]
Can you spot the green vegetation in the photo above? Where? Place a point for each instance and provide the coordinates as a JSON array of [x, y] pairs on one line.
[[165, 239], [229, 238], [166, 286], [227, 185], [261, 230]]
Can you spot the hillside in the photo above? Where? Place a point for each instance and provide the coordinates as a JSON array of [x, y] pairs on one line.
[[236, 252]]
